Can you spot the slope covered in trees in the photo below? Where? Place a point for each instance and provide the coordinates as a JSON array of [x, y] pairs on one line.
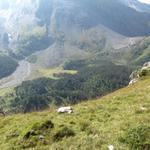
[[89, 82], [7, 66]]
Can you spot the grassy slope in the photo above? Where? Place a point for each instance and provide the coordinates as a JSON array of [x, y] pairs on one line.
[[144, 57], [96, 123], [57, 70], [6, 91]]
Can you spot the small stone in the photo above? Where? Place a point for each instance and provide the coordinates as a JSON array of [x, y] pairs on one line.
[[111, 147], [41, 137], [143, 108]]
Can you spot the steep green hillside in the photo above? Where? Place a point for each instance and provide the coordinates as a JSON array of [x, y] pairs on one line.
[[140, 52], [120, 119]]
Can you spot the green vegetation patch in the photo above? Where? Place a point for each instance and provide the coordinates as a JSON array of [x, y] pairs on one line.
[[138, 137], [90, 82], [144, 72], [32, 40], [36, 133], [63, 132], [37, 129], [7, 66]]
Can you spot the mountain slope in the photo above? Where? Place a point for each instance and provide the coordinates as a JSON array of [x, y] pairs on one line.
[[64, 15], [75, 28], [86, 14], [137, 5], [120, 119]]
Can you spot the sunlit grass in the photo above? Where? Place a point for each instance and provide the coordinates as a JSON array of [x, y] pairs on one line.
[[96, 124], [5, 91], [50, 72]]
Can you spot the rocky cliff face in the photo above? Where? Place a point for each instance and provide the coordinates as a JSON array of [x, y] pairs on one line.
[[68, 18], [137, 5], [85, 14], [68, 14]]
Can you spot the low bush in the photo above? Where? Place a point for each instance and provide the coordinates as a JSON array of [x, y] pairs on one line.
[[144, 72], [64, 132], [37, 129], [137, 138]]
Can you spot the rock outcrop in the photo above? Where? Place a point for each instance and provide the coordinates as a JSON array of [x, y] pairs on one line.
[[143, 71]]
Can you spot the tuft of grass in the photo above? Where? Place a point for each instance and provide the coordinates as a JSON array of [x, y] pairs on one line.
[[64, 132]]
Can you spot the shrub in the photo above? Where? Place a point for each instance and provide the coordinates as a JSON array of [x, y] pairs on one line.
[[84, 126], [137, 138], [30, 136], [64, 132], [144, 72], [46, 125], [7, 66], [37, 129]]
